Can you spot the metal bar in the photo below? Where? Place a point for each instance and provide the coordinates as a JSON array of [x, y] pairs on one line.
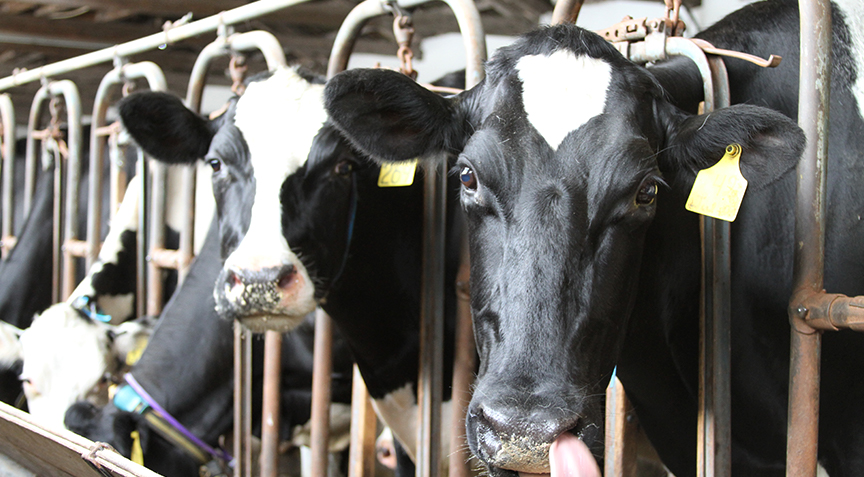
[[270, 410], [566, 11], [464, 364], [243, 394], [142, 171], [620, 446], [30, 161], [467, 17], [432, 319], [322, 370], [808, 273], [109, 84], [363, 427], [7, 151], [141, 45]]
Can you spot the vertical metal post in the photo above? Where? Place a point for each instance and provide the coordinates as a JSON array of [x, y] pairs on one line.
[[363, 423], [243, 395], [7, 151], [808, 273], [270, 410], [464, 363], [620, 448], [322, 371], [566, 11]]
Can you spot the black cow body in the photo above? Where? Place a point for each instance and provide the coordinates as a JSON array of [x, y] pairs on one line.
[[303, 223], [187, 368], [575, 166]]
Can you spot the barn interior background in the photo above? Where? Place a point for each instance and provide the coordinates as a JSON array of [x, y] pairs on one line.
[[36, 33]]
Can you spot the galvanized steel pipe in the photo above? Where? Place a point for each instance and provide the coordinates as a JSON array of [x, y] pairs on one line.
[[7, 118]]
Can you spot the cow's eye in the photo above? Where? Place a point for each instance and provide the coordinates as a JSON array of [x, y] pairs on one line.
[[647, 193], [343, 168], [216, 164], [466, 175]]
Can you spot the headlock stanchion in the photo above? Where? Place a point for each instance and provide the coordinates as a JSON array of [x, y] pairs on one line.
[[63, 155], [428, 452], [7, 153], [229, 44]]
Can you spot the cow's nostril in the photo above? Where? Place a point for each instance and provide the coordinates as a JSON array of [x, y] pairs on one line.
[[234, 279], [286, 276]]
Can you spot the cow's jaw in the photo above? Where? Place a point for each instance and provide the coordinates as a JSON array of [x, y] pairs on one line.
[[263, 283]]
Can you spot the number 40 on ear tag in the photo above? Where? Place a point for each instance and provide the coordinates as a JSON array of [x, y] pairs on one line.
[[719, 190], [397, 174]]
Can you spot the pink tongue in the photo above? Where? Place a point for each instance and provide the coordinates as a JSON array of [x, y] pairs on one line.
[[570, 457]]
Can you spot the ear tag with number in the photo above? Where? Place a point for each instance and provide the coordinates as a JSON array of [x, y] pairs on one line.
[[397, 174], [719, 190]]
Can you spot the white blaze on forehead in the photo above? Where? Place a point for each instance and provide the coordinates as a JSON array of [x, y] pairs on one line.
[[278, 119], [562, 91]]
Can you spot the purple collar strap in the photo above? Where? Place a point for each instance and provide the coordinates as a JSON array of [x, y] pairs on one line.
[[218, 453]]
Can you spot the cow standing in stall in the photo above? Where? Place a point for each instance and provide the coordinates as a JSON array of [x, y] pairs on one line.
[[187, 369], [575, 167], [303, 223]]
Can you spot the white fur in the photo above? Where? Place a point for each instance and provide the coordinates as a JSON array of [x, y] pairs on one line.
[[561, 92], [400, 412], [278, 119], [10, 349], [853, 13]]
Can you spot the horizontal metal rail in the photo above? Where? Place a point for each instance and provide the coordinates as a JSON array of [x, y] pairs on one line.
[[141, 45]]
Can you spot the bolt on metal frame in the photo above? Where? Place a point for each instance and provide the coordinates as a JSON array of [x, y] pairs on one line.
[[432, 309]]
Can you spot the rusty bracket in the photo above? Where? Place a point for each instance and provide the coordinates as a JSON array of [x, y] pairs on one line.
[[826, 311], [772, 61], [403, 32], [237, 68]]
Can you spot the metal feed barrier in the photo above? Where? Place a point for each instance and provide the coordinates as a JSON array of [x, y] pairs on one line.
[[811, 310]]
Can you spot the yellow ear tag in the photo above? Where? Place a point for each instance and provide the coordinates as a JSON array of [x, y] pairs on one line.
[[397, 174], [719, 190], [133, 356], [137, 453]]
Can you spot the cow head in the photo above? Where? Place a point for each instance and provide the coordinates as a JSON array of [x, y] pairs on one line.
[[567, 150], [261, 139]]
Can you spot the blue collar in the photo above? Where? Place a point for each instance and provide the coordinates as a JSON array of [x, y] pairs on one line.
[[87, 307]]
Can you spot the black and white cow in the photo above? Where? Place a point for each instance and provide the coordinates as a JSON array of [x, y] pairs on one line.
[[575, 167], [187, 368], [303, 223]]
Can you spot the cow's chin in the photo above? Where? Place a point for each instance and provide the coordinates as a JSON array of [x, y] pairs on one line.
[[272, 322]]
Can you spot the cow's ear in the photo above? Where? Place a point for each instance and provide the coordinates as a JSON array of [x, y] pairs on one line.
[[771, 143], [391, 118], [165, 128]]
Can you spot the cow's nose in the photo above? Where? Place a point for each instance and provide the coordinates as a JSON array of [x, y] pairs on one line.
[[257, 291], [515, 438]]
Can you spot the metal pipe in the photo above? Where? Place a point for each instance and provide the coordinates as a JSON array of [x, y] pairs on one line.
[[566, 11], [150, 42], [7, 150], [321, 394], [464, 364], [243, 394], [363, 427], [109, 84], [467, 17], [30, 159], [808, 272], [620, 450], [432, 319], [270, 409]]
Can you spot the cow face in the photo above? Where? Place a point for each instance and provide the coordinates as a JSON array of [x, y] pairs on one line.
[[566, 152], [263, 137]]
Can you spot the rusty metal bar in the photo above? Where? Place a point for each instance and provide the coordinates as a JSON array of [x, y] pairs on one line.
[[270, 410], [566, 11], [322, 370], [151, 42], [69, 91], [620, 446], [363, 424], [7, 152], [808, 273], [464, 364]]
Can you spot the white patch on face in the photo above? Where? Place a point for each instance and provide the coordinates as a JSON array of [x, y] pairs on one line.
[[400, 412], [126, 218], [561, 92], [65, 357], [853, 13], [278, 118], [10, 348]]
